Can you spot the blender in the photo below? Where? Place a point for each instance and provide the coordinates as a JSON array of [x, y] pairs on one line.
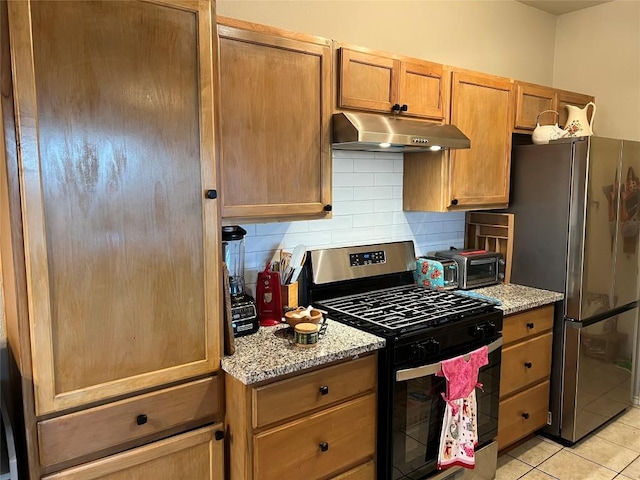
[[244, 317]]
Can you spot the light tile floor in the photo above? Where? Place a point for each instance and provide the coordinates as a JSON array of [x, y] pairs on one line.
[[612, 452]]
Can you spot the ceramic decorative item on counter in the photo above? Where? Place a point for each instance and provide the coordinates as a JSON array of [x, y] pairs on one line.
[[578, 124], [543, 133]]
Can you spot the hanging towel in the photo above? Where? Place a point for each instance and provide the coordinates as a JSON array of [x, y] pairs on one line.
[[459, 435]]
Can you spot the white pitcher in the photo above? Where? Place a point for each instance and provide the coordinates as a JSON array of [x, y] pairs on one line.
[[577, 124]]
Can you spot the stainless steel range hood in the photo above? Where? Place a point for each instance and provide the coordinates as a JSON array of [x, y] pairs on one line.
[[392, 133]]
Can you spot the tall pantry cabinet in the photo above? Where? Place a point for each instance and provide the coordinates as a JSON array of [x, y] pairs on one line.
[[110, 235]]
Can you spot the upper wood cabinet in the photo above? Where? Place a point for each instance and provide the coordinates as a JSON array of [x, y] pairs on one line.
[[275, 90], [116, 134], [531, 100], [481, 108], [375, 81], [467, 179]]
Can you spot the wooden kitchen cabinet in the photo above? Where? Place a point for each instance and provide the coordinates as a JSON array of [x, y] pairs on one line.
[[317, 424], [111, 275], [467, 179], [196, 455], [375, 81], [275, 91], [531, 99], [525, 372]]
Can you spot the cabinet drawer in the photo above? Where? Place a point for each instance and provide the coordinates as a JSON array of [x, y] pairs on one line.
[[525, 363], [523, 414], [304, 393], [366, 471], [527, 324], [97, 429], [196, 455], [295, 450]]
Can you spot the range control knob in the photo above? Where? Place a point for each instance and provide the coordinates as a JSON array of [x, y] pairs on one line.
[[477, 330], [431, 346], [490, 329]]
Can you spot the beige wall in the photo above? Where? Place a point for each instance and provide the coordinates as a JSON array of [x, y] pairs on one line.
[[499, 37], [598, 52]]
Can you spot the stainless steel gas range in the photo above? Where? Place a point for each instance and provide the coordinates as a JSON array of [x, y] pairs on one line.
[[371, 288]]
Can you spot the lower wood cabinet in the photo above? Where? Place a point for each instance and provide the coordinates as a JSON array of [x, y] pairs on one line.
[[195, 455], [95, 430], [324, 427], [524, 376]]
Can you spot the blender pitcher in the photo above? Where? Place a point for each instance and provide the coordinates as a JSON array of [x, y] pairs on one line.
[[244, 317], [233, 256]]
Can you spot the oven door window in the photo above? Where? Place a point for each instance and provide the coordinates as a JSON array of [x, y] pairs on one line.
[[480, 270], [418, 413]]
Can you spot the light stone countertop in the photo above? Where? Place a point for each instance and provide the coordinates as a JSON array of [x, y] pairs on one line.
[[265, 355], [517, 298]]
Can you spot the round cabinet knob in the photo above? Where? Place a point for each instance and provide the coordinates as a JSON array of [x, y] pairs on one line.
[[525, 415], [219, 435], [324, 446], [396, 107], [404, 107], [324, 390], [327, 208], [141, 419], [530, 325], [211, 194], [527, 364], [454, 201]]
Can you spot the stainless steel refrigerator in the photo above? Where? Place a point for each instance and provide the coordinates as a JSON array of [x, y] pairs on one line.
[[575, 204]]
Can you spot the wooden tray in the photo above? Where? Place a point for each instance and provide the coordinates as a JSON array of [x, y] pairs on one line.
[[492, 232]]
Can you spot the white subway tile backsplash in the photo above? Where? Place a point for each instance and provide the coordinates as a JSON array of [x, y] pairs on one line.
[[375, 165], [372, 193], [281, 228], [388, 179], [342, 165], [342, 193], [354, 207], [353, 179], [367, 208], [392, 205], [373, 219], [339, 222]]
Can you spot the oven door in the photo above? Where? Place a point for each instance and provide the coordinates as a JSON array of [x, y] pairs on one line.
[[418, 413]]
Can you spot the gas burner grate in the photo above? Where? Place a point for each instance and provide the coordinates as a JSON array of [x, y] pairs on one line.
[[406, 307]]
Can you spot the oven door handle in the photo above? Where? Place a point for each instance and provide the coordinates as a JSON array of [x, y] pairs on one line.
[[433, 368]]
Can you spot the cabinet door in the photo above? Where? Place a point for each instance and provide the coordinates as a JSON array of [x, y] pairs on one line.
[[422, 89], [530, 101], [571, 98], [367, 81], [197, 455], [275, 116], [116, 132], [481, 108]]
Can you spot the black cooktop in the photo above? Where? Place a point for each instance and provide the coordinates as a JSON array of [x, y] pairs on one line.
[[405, 308]]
